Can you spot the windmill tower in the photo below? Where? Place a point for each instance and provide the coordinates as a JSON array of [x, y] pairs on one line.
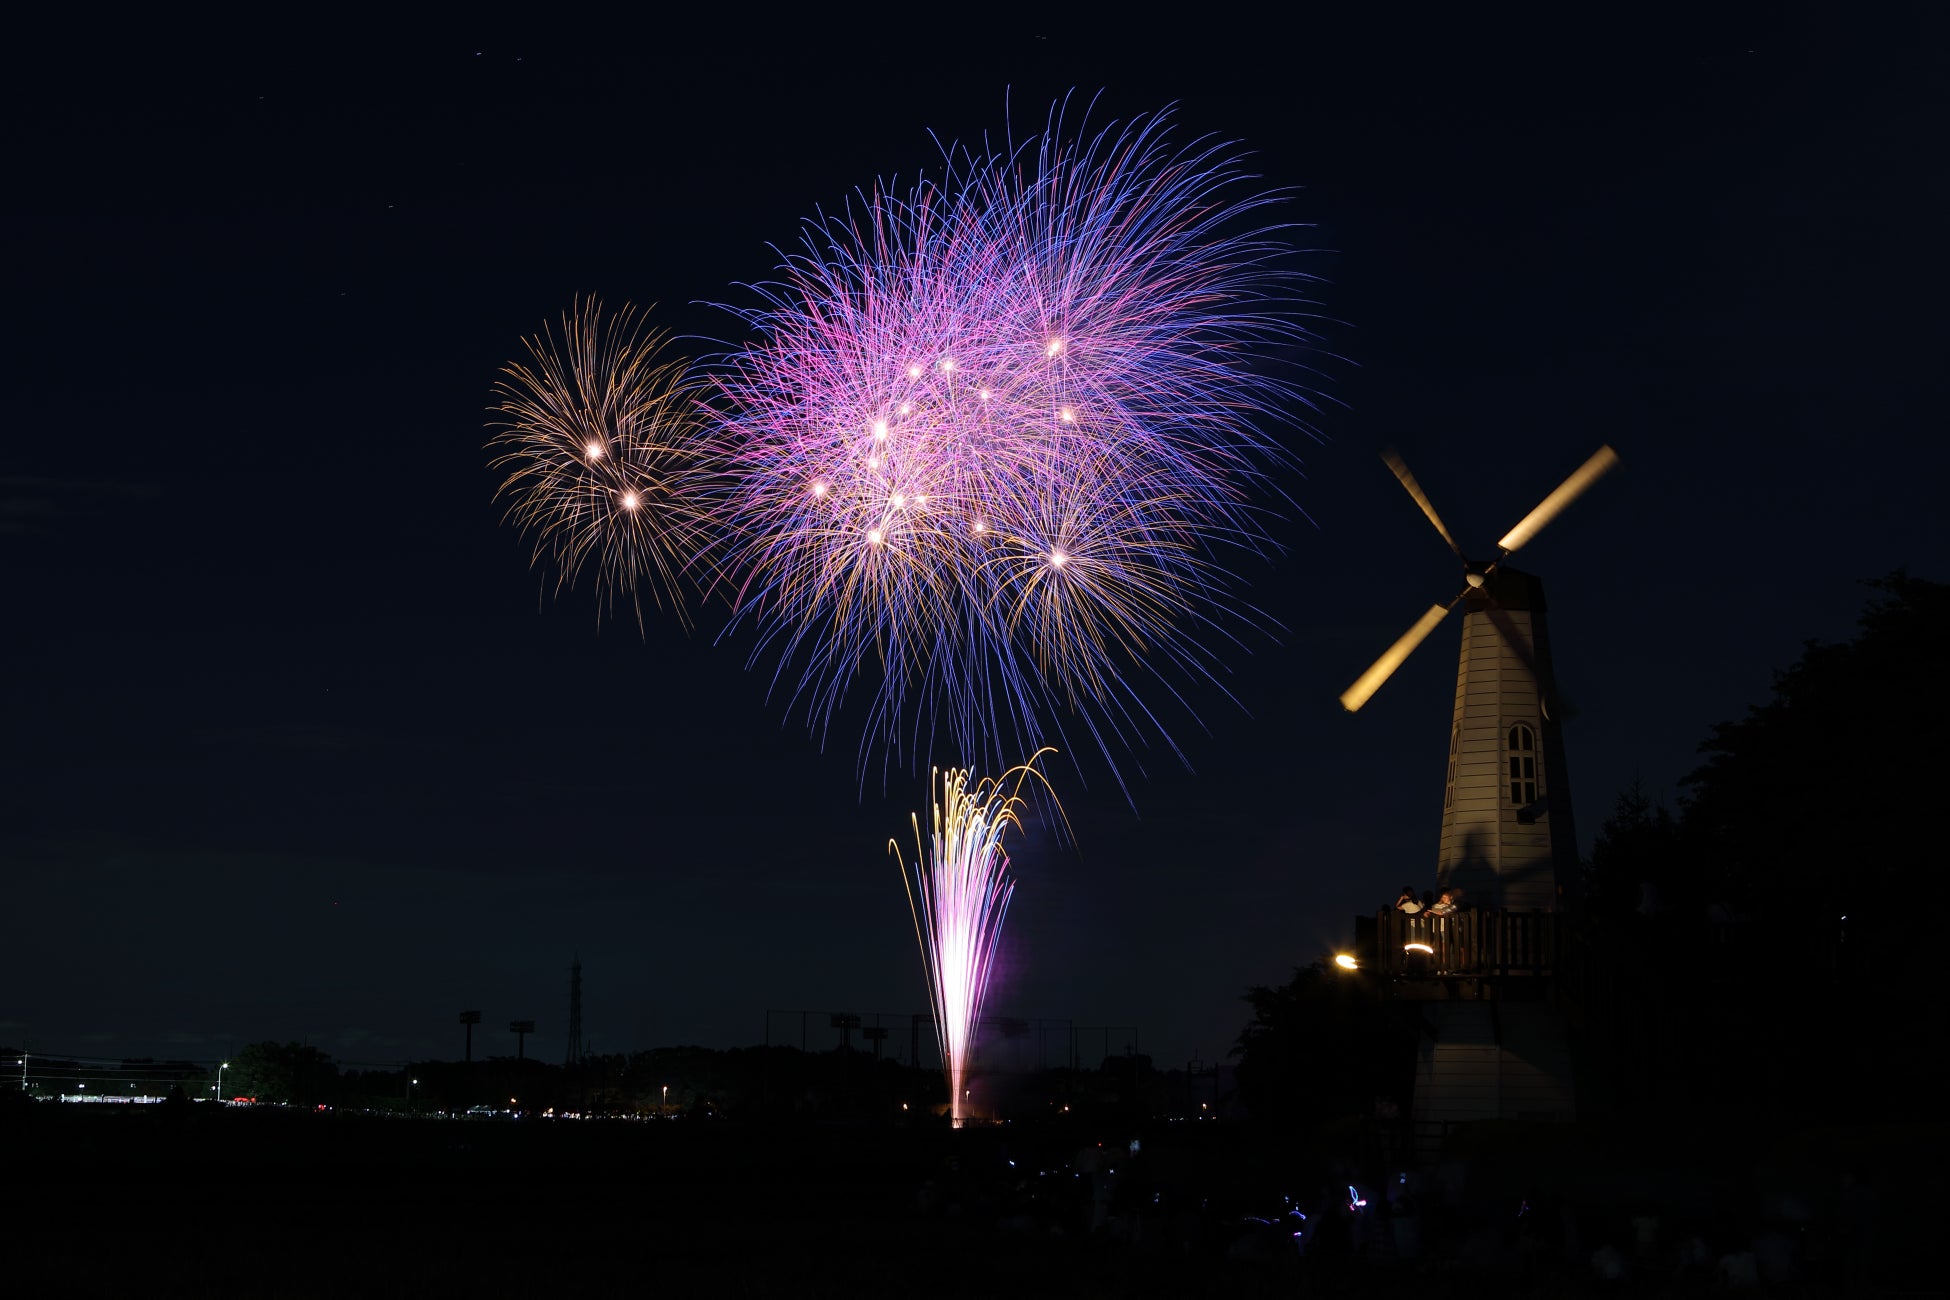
[[1495, 1048]]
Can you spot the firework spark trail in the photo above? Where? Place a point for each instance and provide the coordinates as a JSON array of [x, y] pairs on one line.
[[959, 891], [997, 434], [600, 440]]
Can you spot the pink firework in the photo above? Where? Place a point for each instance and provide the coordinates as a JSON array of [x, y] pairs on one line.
[[959, 890], [997, 435]]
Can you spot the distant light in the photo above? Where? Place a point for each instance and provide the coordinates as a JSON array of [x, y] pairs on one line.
[[1345, 962]]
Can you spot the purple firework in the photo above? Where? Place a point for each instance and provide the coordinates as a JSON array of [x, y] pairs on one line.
[[997, 433]]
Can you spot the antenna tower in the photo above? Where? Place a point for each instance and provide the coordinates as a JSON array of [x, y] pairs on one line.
[[575, 1012]]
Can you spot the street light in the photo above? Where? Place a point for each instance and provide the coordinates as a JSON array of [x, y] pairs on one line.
[[1346, 962], [665, 1108], [220, 1070]]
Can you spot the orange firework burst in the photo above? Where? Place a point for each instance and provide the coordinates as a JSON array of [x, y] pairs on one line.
[[599, 439]]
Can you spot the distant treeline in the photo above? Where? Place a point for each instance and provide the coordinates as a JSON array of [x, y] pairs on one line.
[[751, 1082]]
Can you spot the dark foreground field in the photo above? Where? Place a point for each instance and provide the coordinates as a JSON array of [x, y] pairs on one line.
[[194, 1200], [132, 1201]]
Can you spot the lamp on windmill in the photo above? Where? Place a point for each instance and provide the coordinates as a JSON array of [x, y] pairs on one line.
[[1505, 719]]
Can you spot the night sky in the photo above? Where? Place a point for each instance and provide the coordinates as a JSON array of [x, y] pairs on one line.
[[295, 744]]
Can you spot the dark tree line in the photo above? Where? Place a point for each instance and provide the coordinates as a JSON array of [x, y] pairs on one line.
[[1821, 802], [763, 1084], [1764, 951]]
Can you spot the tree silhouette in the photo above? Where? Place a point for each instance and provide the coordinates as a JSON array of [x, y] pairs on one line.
[[1823, 800], [1322, 1047], [282, 1072], [1638, 863]]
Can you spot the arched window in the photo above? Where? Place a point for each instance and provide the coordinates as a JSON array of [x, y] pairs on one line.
[[1523, 766], [1449, 790]]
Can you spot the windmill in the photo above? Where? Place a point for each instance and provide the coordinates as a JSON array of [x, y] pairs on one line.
[[1494, 1045], [1507, 835]]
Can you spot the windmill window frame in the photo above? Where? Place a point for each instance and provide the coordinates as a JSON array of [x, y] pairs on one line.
[[1522, 740], [1455, 744]]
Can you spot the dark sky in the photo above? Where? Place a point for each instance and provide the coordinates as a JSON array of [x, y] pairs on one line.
[[291, 746]]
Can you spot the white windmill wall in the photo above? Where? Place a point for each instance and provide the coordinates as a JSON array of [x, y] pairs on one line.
[[1498, 858], [1493, 1060]]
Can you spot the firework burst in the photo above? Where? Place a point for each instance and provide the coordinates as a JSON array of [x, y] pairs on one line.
[[959, 890], [599, 438], [999, 435]]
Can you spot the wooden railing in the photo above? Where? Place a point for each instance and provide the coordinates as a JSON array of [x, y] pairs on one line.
[[1472, 942]]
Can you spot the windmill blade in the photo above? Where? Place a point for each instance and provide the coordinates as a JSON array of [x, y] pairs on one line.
[[1369, 682], [1421, 497], [1568, 491]]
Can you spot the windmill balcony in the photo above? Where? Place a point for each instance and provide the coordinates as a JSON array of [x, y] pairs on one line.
[[1470, 943]]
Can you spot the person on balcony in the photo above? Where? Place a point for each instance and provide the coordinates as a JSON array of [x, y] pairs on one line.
[[1446, 939], [1408, 903]]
